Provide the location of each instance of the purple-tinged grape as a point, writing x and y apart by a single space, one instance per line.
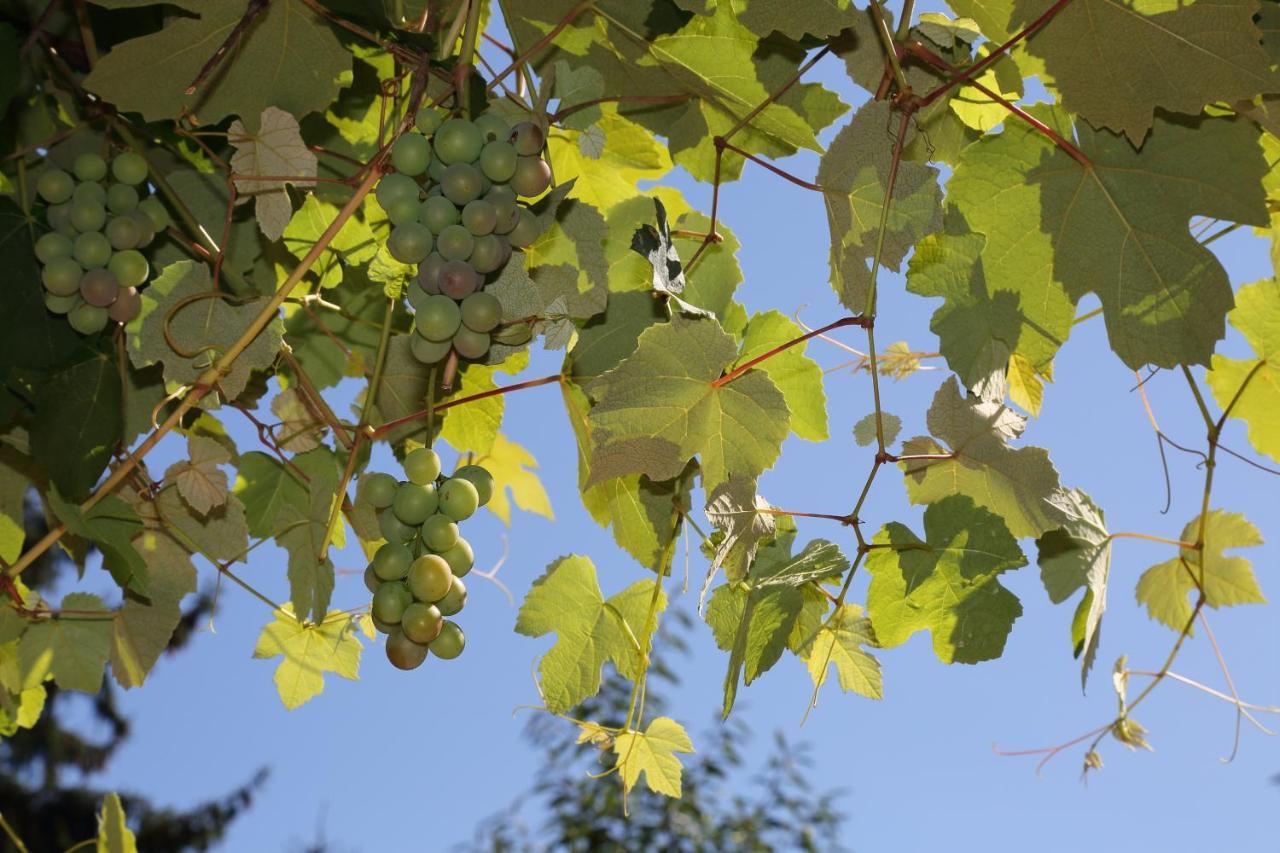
429 273
469 344
488 255
528 139
127 306
458 279
99 287
532 177
526 231
404 653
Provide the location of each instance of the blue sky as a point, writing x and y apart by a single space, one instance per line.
382 761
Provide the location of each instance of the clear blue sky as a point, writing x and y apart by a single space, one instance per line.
918 767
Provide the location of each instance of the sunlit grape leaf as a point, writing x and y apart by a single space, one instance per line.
576 88
114 835
309 651
301 531
662 406
393 275
111 525
514 472
300 429
793 18
266 487
946 583
276 150
1224 580
734 510
142 628
864 431
1076 556
853 175
353 245
589 630
795 374
289 58
19 708
630 154
78 421
1013 483
1251 386
73 650
198 478
1207 52
203 328
839 643
653 753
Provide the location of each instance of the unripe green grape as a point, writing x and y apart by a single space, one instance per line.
53 245
479 217
90 193
429 578
460 557
414 503
59 216
409 243
379 489
89 167
440 533
421 622
129 168
458 141
61 304
55 186
91 249
391 561
492 127
156 212
450 643
395 186
382 627
404 653
439 318
416 295
498 161
99 287
455 244
459 498
458 279
87 319
526 231
371 579
435 172
532 177
411 153
429 273
403 210
61 276
129 267
393 529
422 466
146 227
461 183
123 232
489 254
428 120
121 198
479 477
390 601
481 312
454 600
528 139
438 213
429 352
88 216
127 306
471 344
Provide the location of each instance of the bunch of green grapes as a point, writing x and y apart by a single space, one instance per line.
416 578
455 204
92 259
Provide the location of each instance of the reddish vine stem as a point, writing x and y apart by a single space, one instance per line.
843 519
449 404
777 93
781 173
541 43
858 320
313 395
560 115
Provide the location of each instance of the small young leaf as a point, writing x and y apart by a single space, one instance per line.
1253 384
839 643
309 651
653 753
513 469
198 478
114 835
864 431
275 150
1075 556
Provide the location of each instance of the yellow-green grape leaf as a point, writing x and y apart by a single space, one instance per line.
740 515
289 58
142 628
14 485
265 487
978 110
203 329
1013 483
653 752
1207 52
513 469
1251 386
72 649
276 150
202 484
840 643
111 525
393 275
308 651
605 177
1077 556
1225 580
661 407
854 174
946 583
114 835
301 532
353 245
797 376
864 431
589 630
1026 382
794 18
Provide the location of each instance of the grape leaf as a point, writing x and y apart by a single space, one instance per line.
653 753
203 328
198 478
111 525
289 58
309 650
114 835
864 431
15 482
589 630
513 469
839 643
300 429
73 651
795 374
142 629
1224 580
734 510
794 18
275 150
266 487
301 532
78 421
353 245
358 328
1251 387
30 335
575 88
1207 52
1013 483
1075 556
221 534
947 583
631 154
662 406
